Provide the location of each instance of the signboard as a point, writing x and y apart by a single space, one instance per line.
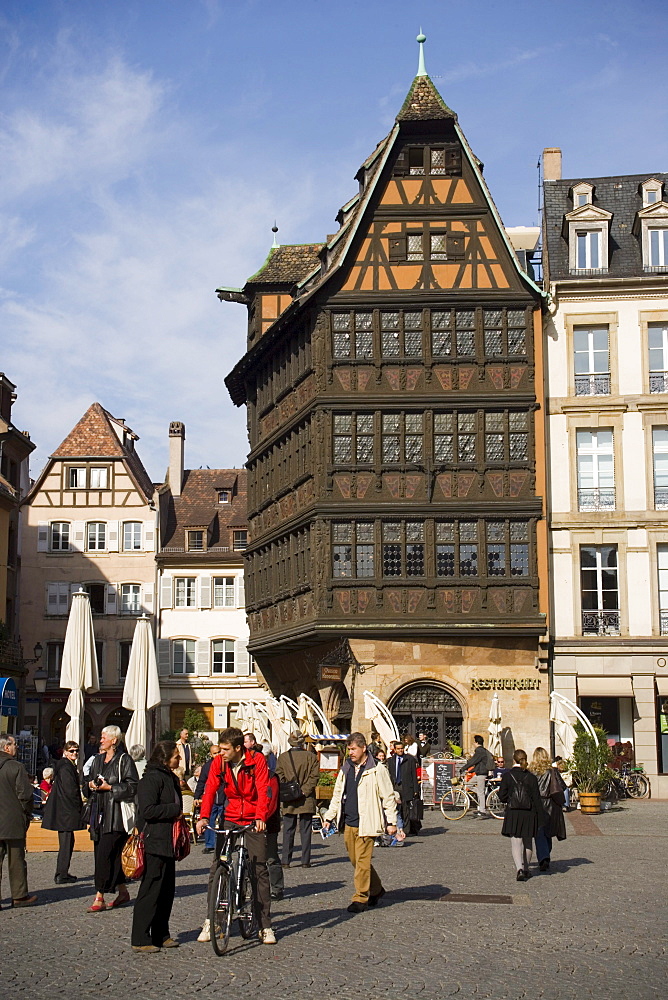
506 684
9 699
439 778
331 674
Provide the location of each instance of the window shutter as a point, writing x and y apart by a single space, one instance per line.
205 592
241 664
163 656
398 247
202 657
241 592
149 593
455 246
42 536
401 165
78 537
148 529
112 536
166 592
52 598
111 606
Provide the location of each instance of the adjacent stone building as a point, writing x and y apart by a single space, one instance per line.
393 380
606 269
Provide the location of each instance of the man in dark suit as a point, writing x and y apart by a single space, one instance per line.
424 746
403 773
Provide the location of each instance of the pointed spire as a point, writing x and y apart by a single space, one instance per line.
421 39
275 245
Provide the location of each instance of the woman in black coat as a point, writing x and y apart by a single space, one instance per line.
160 803
113 779
551 787
62 811
524 812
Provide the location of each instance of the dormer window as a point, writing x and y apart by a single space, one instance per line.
657 245
196 541
224 496
651 192
588 254
651 225
586 228
583 194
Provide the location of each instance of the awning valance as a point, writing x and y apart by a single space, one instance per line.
605 687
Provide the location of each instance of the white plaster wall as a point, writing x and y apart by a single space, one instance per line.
562 585
560 465
634 470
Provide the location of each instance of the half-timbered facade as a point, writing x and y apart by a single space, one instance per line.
393 380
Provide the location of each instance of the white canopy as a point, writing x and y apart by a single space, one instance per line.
307 714
380 717
564 732
141 691
78 671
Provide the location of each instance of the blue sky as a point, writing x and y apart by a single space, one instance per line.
146 148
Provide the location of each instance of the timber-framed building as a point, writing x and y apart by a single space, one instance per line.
393 385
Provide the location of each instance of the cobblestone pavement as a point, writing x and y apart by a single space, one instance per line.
593 926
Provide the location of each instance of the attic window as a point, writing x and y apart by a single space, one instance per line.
436 161
240 541
651 192
582 195
195 541
224 496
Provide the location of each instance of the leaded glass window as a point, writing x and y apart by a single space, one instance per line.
363 344
468 531
414 246
466 437
519 438
391 437
516 331
494 437
496 559
389 324
414 437
519 560
363 320
413 334
438 246
441 334
493 342
343 439
465 328
343 561
444 437
468 560
364 442
437 161
341 321
341 345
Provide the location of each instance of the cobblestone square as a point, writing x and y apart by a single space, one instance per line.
593 926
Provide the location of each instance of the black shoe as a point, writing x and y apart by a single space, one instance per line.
544 864
306 864
374 900
64 879
527 874
521 876
358 907
277 896
207 850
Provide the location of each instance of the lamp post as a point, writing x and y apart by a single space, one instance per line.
40 678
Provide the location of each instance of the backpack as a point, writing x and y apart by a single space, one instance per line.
519 797
491 763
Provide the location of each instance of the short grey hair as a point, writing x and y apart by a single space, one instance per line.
137 752
114 732
47 772
6 739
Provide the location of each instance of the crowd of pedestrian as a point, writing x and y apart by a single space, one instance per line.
376 802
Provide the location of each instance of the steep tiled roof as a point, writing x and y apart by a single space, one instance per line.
198 506
620 195
424 103
287 265
94 437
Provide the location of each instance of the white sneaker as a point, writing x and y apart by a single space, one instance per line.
267 936
205 933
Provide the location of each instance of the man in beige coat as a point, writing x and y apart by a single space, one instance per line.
298 764
363 803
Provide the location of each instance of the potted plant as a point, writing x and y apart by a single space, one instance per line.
590 766
325 786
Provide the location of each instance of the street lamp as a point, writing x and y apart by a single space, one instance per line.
40 678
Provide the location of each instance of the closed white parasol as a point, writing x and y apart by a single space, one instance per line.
79 665
141 691
494 730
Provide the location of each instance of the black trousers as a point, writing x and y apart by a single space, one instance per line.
65 848
289 830
108 872
153 906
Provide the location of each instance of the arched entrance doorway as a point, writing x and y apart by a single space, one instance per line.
430 709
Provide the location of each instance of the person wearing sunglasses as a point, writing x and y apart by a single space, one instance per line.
62 811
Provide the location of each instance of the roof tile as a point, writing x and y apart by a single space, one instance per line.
198 506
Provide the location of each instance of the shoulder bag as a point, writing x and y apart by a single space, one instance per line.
180 839
290 791
133 855
128 809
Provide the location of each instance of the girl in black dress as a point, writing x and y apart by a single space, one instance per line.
524 812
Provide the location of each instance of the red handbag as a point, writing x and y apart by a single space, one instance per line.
180 839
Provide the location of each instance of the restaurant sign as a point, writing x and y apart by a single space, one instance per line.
506 684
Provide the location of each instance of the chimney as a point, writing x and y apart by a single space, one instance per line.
552 164
177 438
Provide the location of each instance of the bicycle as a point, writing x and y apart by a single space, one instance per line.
635 781
458 799
232 895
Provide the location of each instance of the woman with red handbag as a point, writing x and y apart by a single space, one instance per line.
160 810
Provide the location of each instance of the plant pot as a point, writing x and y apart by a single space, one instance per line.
590 802
324 791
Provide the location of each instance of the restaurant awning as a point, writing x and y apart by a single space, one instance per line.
9 699
605 687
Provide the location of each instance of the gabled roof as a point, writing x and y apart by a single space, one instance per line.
287 264
424 103
198 506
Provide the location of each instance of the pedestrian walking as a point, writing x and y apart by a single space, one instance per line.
482 762
403 772
524 812
160 803
15 812
62 811
113 779
302 766
552 788
362 791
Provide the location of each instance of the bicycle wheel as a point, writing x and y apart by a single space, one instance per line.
637 785
494 804
246 909
455 803
220 909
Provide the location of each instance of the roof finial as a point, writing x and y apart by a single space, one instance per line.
421 39
274 229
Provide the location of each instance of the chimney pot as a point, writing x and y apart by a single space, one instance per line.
177 438
552 163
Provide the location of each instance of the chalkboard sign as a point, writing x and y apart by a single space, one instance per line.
439 776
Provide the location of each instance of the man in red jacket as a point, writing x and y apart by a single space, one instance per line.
251 799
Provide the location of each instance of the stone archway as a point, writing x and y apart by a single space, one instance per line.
431 708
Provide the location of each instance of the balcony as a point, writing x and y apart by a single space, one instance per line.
597 499
600 622
663 622
592 385
661 497
658 382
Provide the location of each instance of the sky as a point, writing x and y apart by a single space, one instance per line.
148 146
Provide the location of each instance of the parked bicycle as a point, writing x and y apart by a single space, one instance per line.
629 782
232 893
460 797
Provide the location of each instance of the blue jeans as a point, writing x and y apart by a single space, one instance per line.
209 835
543 845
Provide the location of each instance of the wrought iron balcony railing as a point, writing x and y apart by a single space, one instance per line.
592 385
663 622
658 382
661 497
600 498
600 622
